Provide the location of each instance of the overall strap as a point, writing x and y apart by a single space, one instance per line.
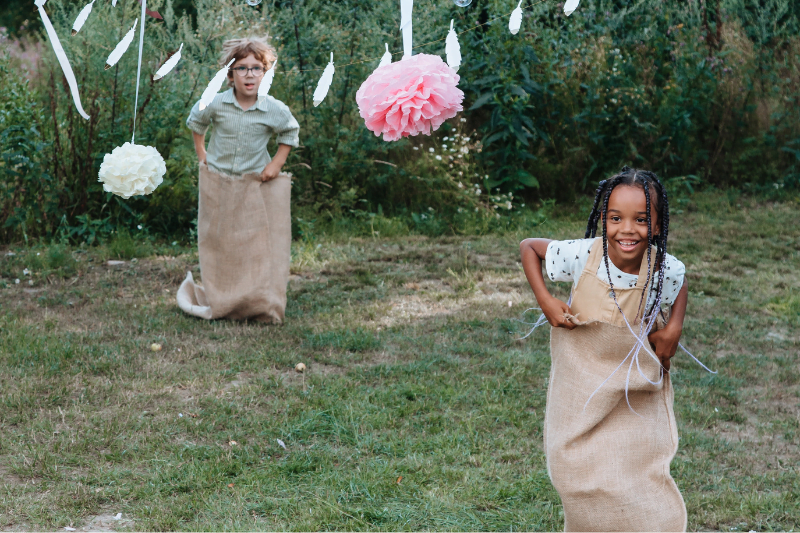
595 257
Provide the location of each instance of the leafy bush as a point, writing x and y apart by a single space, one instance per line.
704 93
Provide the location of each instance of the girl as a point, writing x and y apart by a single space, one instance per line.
243 221
609 426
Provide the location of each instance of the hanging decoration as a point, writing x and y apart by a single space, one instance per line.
168 65
387 57
122 46
406 8
415 95
82 16
62 58
253 2
324 83
515 20
215 85
131 169
570 6
266 82
113 3
462 3
452 49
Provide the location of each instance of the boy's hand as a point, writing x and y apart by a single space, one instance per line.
554 309
271 171
665 342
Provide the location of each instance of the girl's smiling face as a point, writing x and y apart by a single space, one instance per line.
626 226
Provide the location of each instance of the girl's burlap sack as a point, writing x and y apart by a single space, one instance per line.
609 464
610 461
244 241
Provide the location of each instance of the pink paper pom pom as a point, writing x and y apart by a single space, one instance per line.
409 97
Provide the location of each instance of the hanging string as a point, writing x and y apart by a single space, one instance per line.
362 61
419 45
138 70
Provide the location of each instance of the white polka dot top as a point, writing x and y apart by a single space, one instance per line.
566 259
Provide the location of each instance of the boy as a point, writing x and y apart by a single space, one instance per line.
244 223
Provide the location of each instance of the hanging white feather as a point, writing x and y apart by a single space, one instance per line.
266 83
62 58
168 65
406 8
515 21
452 49
215 85
82 16
570 6
324 83
387 57
121 47
113 3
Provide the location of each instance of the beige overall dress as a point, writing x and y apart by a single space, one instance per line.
609 464
244 238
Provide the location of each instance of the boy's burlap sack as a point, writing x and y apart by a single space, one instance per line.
244 241
609 464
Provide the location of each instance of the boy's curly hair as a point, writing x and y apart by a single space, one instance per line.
259 47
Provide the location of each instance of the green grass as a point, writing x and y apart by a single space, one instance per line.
420 409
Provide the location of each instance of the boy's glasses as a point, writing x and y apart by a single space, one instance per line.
242 71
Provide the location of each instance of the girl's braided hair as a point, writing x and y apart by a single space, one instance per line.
653 191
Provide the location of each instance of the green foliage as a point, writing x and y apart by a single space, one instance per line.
705 94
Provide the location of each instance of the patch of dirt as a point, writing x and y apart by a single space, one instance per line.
7 478
769 450
436 298
106 522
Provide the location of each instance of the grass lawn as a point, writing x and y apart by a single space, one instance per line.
419 408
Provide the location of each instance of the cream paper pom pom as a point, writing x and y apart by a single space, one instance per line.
131 170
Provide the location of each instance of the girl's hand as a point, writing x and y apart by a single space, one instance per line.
554 309
665 342
271 171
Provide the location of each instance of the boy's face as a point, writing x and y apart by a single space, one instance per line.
247 85
627 226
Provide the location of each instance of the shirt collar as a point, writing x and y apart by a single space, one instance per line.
229 98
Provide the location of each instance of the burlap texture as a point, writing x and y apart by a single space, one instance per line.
244 242
609 464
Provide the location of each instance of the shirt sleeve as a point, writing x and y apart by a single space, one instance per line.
199 121
674 272
287 130
565 260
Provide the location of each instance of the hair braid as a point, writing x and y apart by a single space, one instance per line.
616 180
644 180
591 225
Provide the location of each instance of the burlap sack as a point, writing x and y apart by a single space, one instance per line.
244 242
608 462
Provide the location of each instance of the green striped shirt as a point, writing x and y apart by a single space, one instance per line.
239 138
